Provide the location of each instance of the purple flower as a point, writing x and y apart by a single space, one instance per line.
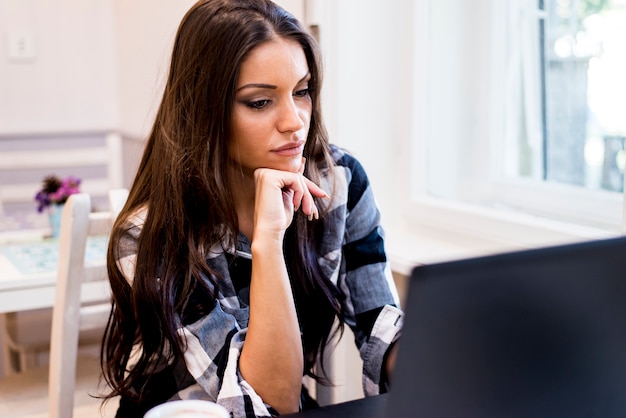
55 191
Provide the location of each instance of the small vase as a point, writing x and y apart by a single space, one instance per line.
54 214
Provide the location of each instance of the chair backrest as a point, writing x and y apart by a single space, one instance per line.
117 199
82 294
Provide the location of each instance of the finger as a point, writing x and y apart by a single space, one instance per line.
308 203
298 194
315 214
301 197
314 189
288 198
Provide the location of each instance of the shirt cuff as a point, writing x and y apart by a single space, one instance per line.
386 331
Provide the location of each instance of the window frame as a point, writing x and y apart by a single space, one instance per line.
481 224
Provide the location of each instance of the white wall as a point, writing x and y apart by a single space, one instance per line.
97 65
144 33
366 44
69 82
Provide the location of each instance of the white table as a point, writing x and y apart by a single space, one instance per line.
20 291
24 289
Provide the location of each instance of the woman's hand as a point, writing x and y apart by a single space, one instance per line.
272 359
278 195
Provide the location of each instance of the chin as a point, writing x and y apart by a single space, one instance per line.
295 166
292 165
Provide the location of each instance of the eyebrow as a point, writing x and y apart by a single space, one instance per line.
268 86
258 86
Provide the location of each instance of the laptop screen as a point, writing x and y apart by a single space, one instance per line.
535 333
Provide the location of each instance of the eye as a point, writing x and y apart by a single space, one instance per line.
302 93
257 104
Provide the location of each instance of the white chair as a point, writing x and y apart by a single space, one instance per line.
25 335
82 301
97 158
70 314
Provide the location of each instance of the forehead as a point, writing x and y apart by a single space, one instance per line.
277 58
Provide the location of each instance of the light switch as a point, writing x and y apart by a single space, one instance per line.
21 46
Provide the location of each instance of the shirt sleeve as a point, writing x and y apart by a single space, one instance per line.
368 278
126 252
214 344
386 331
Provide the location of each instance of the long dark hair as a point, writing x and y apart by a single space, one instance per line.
183 181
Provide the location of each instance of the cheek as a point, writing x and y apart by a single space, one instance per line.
246 140
233 152
250 134
232 141
240 133
307 109
248 125
308 114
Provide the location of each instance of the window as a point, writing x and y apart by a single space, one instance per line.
583 92
524 109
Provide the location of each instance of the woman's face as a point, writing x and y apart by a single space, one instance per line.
272 110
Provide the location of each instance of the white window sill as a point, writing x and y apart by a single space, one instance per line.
435 230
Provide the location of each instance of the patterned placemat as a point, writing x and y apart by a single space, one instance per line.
41 257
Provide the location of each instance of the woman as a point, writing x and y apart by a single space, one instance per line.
245 234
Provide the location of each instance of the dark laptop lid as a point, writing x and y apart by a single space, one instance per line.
537 333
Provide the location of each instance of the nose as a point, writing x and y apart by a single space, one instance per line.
292 116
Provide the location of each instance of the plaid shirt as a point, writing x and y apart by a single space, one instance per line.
354 258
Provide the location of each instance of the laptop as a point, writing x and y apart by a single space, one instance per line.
534 333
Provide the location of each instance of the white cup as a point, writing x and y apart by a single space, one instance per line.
188 409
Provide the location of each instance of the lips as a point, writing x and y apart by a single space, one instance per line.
293 148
